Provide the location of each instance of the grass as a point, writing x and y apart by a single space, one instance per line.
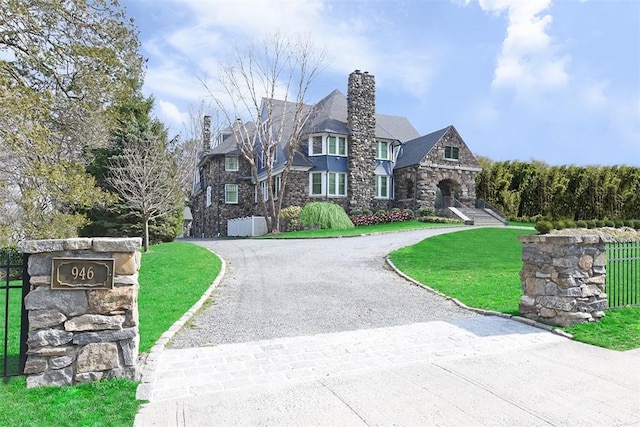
478 266
103 403
618 330
173 277
364 229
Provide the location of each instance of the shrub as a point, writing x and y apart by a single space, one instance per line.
544 227
636 224
591 223
599 223
381 217
558 225
628 223
569 223
11 255
581 224
425 212
609 223
325 216
618 223
439 220
290 218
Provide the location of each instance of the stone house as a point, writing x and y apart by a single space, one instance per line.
349 155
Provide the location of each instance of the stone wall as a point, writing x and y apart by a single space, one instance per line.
79 335
211 221
563 278
361 120
416 187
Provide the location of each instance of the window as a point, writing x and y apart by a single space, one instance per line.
315 179
316 146
451 152
337 145
231 163
277 181
382 186
231 193
208 196
337 184
265 193
382 150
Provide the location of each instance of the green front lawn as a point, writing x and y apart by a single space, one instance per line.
173 277
363 229
479 267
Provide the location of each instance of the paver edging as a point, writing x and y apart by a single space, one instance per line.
481 311
150 359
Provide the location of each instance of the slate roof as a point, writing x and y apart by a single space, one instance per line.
330 115
228 144
413 151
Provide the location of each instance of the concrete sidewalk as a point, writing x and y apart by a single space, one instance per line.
470 371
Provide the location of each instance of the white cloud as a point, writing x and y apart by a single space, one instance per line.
529 61
171 114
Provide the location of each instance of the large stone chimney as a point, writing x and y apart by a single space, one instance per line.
206 133
361 120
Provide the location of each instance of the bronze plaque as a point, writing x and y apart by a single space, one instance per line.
82 273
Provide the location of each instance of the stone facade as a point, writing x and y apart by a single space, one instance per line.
563 278
361 120
79 336
417 187
211 220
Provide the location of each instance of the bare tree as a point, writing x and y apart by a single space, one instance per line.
280 66
192 140
146 178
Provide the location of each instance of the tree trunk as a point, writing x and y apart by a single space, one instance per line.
146 235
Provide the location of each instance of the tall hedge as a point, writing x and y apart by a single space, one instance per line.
525 189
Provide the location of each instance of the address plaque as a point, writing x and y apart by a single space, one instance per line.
82 273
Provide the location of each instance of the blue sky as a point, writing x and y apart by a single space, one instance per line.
555 81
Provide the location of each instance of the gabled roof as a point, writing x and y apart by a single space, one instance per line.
413 151
229 145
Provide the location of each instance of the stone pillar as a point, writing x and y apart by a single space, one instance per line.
361 120
563 278
82 334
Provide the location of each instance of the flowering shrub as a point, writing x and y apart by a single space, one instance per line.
381 217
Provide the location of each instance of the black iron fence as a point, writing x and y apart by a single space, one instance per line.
623 274
14 286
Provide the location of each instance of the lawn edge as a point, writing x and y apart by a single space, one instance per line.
150 359
481 311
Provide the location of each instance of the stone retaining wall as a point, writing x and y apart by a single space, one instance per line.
82 335
563 278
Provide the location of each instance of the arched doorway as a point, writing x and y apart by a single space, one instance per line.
448 190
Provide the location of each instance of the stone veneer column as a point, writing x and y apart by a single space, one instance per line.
361 120
79 336
563 278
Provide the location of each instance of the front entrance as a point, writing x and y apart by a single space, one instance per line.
14 286
447 194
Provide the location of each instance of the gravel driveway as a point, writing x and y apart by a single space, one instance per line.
286 288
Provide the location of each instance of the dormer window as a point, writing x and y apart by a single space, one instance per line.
451 153
382 150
